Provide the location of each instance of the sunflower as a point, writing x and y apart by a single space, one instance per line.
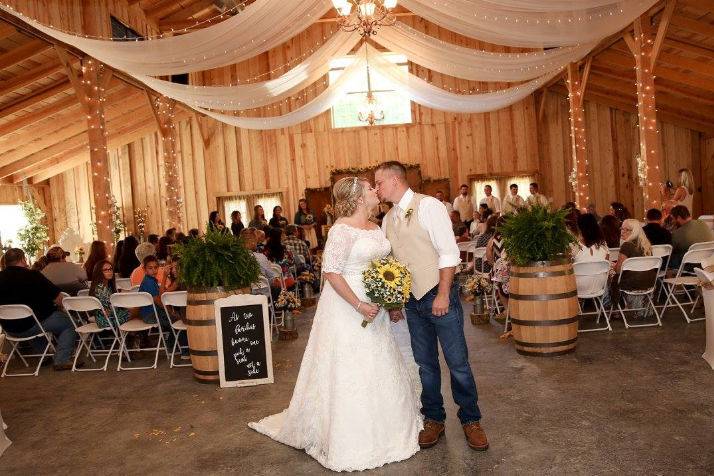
390 274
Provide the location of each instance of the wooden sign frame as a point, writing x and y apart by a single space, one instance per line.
244 300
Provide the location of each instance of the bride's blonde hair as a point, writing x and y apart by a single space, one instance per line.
346 192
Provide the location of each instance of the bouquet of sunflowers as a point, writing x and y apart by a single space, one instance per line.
388 283
477 285
287 301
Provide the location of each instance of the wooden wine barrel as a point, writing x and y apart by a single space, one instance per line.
543 304
201 323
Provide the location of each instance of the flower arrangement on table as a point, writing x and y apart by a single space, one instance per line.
79 251
287 301
309 219
141 215
477 285
388 283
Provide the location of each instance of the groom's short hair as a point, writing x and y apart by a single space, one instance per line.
397 168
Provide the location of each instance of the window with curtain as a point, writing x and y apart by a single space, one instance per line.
500 186
245 203
11 221
397 108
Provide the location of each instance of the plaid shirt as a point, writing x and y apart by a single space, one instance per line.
297 247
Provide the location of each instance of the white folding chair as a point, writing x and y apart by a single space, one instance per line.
691 258
591 282
640 264
468 247
89 305
664 252
278 270
479 253
83 292
704 245
708 219
170 301
15 312
262 286
129 300
123 284
614 254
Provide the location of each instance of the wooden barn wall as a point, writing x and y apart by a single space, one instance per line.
612 144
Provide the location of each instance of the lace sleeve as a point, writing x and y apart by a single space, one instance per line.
337 249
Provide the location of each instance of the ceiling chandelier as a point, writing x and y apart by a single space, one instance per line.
365 16
370 111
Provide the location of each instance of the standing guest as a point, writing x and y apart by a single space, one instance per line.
688 232
97 253
153 239
150 284
684 194
491 201
655 232
536 198
214 222
128 260
181 238
610 226
620 211
295 245
278 220
440 196
69 277
570 206
20 285
464 205
163 250
666 193
591 209
137 275
305 219
512 202
117 253
279 254
258 220
194 233
236 223
103 286
591 244
171 235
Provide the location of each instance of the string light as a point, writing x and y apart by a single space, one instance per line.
166 112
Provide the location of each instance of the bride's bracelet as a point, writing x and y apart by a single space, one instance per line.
359 304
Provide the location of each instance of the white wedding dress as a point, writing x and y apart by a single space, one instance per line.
355 405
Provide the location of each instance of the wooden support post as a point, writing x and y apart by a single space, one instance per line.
164 110
577 82
647 42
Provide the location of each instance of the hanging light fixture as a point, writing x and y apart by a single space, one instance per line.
370 111
365 16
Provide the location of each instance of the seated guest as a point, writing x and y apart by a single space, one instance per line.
455 220
137 275
69 277
278 220
103 286
150 284
117 254
610 227
571 222
461 233
39 264
181 238
153 239
620 211
97 253
128 261
473 227
236 223
484 212
163 250
170 234
634 244
512 202
483 240
688 232
654 230
591 209
591 245
193 233
295 245
250 240
260 236
439 195
20 285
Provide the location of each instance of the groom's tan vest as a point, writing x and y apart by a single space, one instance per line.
412 246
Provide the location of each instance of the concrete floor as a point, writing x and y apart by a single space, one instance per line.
636 401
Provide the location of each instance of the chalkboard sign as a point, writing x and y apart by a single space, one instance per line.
243 338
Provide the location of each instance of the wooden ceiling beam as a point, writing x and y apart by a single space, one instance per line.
30 76
41 94
693 26
21 53
706 5
688 47
163 8
65 104
662 30
6 30
191 9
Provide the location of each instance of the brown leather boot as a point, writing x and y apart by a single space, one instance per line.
475 436
431 433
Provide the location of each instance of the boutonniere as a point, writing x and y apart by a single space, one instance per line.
408 214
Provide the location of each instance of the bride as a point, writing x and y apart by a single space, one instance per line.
355 404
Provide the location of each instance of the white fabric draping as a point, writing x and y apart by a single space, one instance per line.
434 97
263 25
476 65
320 104
247 96
547 6
529 29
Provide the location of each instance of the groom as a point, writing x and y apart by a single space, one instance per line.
420 232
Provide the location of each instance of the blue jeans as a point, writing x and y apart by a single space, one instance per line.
426 330
61 327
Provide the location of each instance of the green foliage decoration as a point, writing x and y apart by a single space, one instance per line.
216 259
33 236
536 234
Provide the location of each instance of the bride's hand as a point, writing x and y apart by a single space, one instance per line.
368 310
395 315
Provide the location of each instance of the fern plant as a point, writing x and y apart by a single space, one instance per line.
536 234
216 259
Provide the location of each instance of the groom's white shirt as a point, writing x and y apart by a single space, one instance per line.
435 220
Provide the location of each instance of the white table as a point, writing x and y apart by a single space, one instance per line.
708 296
4 440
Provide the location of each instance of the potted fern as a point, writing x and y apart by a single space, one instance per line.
543 302
211 267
